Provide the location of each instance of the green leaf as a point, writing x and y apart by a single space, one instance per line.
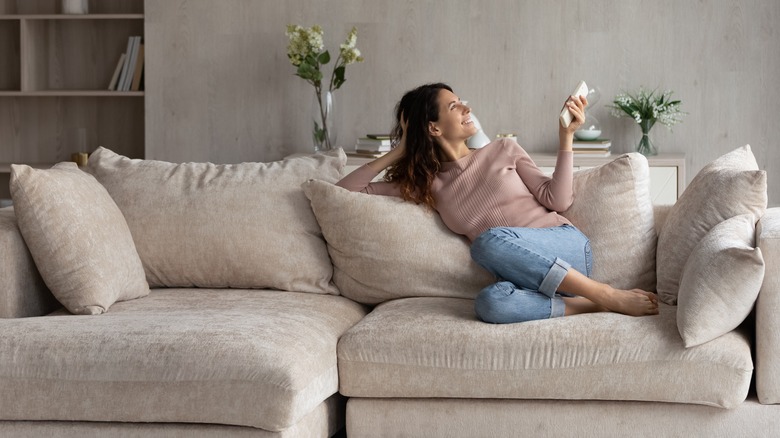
338 77
306 71
324 57
311 59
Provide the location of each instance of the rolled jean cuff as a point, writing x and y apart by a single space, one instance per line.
557 307
554 278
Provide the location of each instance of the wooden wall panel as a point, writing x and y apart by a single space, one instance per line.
220 88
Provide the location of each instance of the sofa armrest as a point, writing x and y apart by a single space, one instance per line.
22 291
768 310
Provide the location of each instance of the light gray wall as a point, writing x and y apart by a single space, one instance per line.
220 87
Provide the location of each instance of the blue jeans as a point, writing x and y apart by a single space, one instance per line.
530 264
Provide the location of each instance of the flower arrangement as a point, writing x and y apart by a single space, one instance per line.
647 108
307 53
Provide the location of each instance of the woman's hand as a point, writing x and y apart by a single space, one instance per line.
576 106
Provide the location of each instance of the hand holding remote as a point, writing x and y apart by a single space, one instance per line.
566 117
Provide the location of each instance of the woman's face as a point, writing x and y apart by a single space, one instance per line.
454 124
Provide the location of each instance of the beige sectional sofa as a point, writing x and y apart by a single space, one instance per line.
273 303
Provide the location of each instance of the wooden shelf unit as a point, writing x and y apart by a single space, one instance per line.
54 97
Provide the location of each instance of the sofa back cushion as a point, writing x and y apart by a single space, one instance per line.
77 237
613 207
729 186
384 248
245 225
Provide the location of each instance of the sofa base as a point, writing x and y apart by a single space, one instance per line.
447 418
324 421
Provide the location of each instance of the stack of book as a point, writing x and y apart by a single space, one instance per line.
129 69
592 148
373 145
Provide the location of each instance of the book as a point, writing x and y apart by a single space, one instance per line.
379 136
139 65
373 145
599 143
117 72
374 141
602 153
583 150
132 58
125 65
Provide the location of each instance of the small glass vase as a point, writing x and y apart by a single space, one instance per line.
646 146
323 122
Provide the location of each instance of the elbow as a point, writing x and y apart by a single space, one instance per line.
561 204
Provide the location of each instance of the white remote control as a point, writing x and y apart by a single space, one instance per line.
565 117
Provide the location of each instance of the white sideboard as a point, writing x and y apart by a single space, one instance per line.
667 171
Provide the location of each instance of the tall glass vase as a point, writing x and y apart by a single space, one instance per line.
646 146
323 121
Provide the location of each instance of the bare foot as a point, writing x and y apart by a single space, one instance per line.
635 302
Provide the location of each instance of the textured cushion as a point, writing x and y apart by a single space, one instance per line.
384 248
612 206
242 225
435 347
720 281
729 186
244 357
372 238
77 237
22 290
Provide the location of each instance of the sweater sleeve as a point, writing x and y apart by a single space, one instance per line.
360 181
554 192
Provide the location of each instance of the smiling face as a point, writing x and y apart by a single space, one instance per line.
454 125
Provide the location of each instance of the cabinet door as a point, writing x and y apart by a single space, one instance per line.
663 185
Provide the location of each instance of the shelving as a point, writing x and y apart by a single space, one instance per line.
54 97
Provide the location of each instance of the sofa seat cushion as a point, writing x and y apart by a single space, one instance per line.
433 347
243 357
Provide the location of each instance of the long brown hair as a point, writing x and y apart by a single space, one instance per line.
415 171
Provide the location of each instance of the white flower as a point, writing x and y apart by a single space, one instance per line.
349 53
303 42
648 106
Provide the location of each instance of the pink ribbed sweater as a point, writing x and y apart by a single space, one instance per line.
496 186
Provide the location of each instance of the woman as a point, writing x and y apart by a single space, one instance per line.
500 200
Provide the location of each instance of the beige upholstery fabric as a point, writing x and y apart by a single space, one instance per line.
435 347
325 420
373 239
612 206
22 290
242 357
727 187
720 281
384 248
448 418
768 310
77 236
234 225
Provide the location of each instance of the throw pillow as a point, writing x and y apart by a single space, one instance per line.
245 225
384 248
612 206
730 186
77 237
720 281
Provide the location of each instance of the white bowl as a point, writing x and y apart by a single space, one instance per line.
587 134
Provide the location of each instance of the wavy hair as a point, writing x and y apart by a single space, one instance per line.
415 171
